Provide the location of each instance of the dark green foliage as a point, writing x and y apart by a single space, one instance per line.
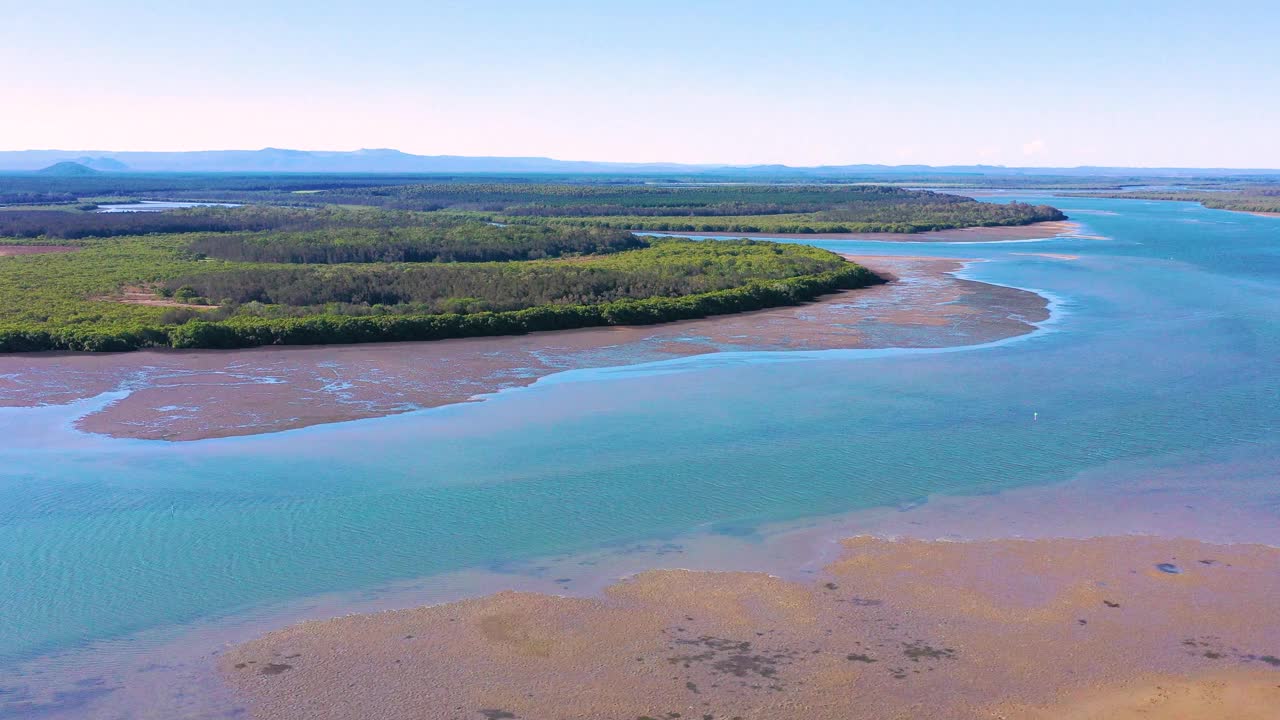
63 225
64 301
568 200
669 268
850 219
316 329
25 197
691 208
438 239
259 186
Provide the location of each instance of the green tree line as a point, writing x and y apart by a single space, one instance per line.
66 301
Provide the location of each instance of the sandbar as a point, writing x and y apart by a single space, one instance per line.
1119 627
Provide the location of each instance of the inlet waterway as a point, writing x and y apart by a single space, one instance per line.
1160 359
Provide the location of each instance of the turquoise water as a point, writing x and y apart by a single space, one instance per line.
1164 344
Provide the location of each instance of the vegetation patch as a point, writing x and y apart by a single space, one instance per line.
1259 199
70 301
717 208
345 259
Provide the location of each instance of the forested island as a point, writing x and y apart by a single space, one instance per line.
732 208
352 261
624 204
338 276
1261 199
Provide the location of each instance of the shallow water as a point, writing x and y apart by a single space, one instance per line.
156 206
1161 356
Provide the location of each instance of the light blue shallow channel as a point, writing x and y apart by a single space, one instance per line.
1165 341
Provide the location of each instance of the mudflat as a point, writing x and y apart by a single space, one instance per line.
189 395
1112 627
13 250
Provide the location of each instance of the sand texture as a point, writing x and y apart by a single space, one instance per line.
893 629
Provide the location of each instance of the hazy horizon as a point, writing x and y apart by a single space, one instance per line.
102 152
1163 85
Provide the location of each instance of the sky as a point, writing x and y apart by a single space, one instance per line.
1030 83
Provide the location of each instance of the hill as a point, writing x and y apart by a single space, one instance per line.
104 164
67 169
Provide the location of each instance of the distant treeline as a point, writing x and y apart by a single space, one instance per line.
680 207
15 197
265 233
730 208
442 240
34 188
550 199
851 219
63 225
563 200
1255 199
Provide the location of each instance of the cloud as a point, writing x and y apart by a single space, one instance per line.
1035 147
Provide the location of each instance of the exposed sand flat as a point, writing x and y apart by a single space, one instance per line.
190 395
894 629
1239 695
1034 231
146 296
11 250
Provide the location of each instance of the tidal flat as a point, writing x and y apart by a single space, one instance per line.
997 493
192 395
1002 628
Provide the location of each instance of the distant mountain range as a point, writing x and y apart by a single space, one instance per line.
275 160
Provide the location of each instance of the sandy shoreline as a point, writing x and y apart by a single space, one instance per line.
178 677
984 629
191 395
1034 231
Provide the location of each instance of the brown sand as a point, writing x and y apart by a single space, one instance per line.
895 629
1034 231
1239 695
9 250
190 395
147 296
1263 213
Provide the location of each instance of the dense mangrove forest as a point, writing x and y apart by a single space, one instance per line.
337 259
1258 199
447 277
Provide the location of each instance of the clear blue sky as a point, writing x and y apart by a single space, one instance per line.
894 81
